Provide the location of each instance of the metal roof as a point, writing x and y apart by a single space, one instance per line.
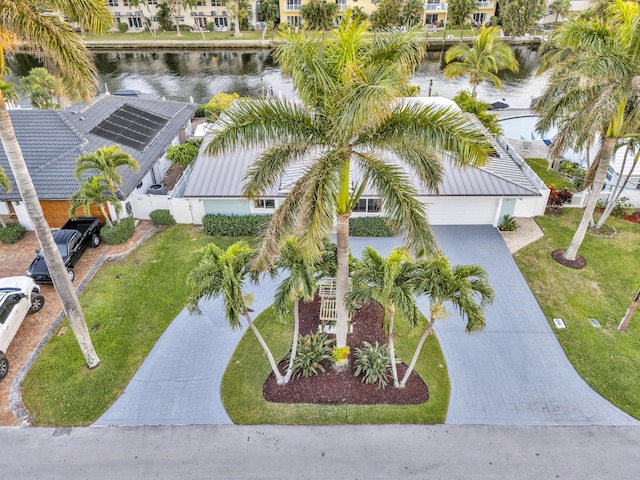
223 176
51 140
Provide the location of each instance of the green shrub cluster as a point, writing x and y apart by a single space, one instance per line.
162 218
123 27
201 110
119 233
313 349
508 224
12 232
182 154
234 225
574 171
373 362
369 227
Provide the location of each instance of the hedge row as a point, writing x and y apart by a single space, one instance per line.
369 227
12 232
235 225
119 233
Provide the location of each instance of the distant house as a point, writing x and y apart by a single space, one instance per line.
471 196
51 140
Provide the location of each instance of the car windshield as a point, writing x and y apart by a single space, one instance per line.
61 248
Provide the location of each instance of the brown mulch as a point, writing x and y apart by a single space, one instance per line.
633 217
334 387
172 176
577 264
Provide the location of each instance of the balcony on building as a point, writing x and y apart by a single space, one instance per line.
484 4
293 5
435 6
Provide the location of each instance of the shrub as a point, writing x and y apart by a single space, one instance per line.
313 349
219 103
162 218
369 227
119 233
12 232
211 26
235 225
574 171
508 224
123 27
182 154
622 207
373 362
200 111
340 354
557 198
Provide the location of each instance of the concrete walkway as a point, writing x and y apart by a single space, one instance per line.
513 372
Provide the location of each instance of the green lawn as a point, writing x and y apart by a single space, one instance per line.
248 370
127 306
548 176
607 359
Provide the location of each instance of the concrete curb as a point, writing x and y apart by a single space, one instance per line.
15 394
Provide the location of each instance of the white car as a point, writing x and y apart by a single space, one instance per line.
18 296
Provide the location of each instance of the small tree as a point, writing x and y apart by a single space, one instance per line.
269 11
518 16
459 12
387 14
106 162
319 15
560 7
412 11
469 104
95 191
43 87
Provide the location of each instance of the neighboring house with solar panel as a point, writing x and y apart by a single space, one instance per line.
471 196
51 140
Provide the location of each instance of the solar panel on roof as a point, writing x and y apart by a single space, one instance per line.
130 126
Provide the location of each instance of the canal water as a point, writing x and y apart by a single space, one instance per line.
182 75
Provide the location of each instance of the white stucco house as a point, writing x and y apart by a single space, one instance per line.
474 196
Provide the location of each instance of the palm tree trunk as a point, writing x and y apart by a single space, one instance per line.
602 160
392 350
106 216
294 344
237 32
416 354
265 347
615 196
61 281
342 282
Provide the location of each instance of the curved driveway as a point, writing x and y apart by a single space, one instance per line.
513 372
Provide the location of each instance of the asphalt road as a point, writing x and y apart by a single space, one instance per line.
224 452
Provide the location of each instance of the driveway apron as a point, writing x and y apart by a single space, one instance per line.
513 372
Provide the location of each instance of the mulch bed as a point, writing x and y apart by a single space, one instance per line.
334 387
634 217
577 264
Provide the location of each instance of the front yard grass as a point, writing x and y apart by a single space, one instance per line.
550 177
127 306
248 369
608 360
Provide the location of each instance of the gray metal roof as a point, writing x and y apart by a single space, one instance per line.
223 175
51 140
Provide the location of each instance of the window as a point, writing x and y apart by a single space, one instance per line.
216 3
293 5
125 3
431 18
294 21
135 22
368 205
264 203
112 3
479 18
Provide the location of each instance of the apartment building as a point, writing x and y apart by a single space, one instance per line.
435 11
204 13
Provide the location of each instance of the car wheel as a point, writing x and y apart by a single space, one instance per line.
37 302
4 366
95 241
71 273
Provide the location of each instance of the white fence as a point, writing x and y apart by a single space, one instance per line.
143 205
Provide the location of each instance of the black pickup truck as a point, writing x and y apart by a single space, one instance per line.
72 240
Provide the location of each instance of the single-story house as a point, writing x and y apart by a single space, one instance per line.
505 186
51 140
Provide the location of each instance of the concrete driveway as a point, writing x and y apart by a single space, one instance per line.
513 372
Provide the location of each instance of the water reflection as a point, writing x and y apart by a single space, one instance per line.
201 74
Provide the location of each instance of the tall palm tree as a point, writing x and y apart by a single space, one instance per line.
349 112
105 162
93 192
37 24
482 60
593 88
222 273
299 285
465 287
390 282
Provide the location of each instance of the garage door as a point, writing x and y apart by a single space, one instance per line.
56 212
462 210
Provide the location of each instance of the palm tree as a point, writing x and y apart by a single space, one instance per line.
388 281
37 24
299 285
93 192
482 60
465 287
349 112
222 273
593 89
105 162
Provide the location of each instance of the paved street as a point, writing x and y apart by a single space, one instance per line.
351 452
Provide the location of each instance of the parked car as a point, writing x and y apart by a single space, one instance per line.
18 296
72 240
